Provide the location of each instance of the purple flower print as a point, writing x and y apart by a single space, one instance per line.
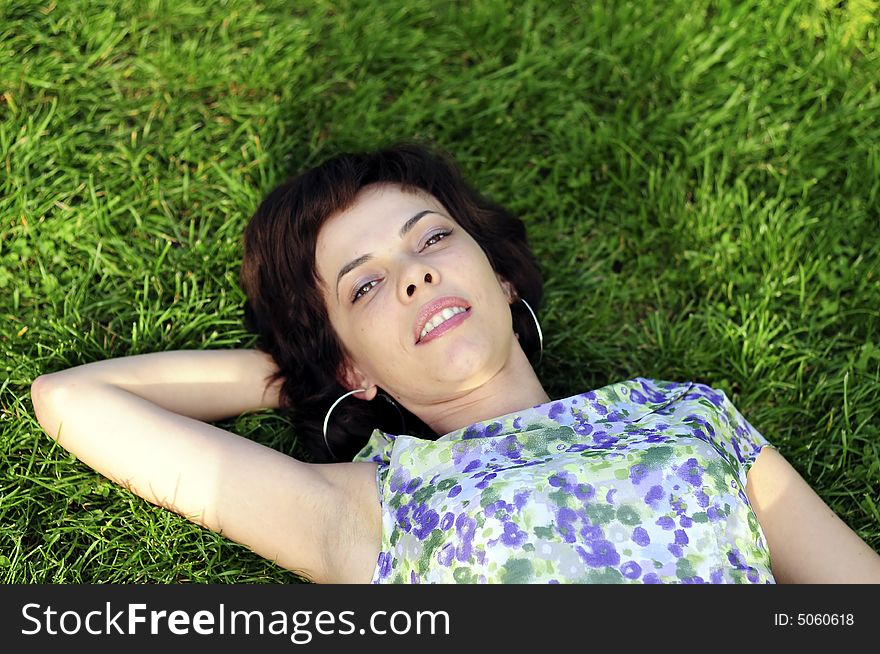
736 560
510 447
604 439
465 526
485 481
448 519
600 436
513 536
414 483
384 564
427 521
402 519
652 395
583 428
454 491
599 553
637 473
640 537
654 494
691 472
631 570
739 455
520 499
473 465
715 397
563 480
493 429
565 524
666 522
556 410
651 578
399 480
584 491
499 510
702 499
463 551
591 532
698 433
681 537
444 556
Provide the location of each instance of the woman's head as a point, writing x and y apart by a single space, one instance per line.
343 264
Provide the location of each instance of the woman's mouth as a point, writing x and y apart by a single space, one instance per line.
442 322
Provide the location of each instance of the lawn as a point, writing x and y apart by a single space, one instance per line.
700 181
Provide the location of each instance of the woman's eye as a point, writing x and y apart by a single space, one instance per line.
439 236
361 292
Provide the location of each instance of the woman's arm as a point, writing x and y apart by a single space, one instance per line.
133 420
808 542
207 385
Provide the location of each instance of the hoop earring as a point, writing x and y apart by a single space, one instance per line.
540 333
358 390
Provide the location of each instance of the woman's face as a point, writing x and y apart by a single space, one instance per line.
395 265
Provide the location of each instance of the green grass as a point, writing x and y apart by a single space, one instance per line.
700 180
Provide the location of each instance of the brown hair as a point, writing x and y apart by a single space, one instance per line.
284 306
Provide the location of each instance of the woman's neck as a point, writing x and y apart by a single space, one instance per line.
515 387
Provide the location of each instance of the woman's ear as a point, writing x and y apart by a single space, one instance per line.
508 288
351 378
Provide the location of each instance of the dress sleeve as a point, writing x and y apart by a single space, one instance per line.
737 436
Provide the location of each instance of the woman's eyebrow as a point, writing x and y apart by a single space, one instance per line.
354 263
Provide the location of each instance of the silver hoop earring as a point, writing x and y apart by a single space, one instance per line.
540 333
327 417
358 390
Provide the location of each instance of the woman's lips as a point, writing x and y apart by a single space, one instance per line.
429 310
445 326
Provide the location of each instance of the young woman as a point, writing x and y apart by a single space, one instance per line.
394 309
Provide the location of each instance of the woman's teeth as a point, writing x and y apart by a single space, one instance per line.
439 318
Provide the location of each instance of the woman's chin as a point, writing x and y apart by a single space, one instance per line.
466 368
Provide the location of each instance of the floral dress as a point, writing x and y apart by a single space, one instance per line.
641 481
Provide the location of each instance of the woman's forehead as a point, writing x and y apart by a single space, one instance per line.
376 216
376 209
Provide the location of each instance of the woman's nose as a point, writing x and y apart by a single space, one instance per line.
424 277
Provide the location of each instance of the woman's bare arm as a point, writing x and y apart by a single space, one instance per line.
136 421
808 542
207 385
